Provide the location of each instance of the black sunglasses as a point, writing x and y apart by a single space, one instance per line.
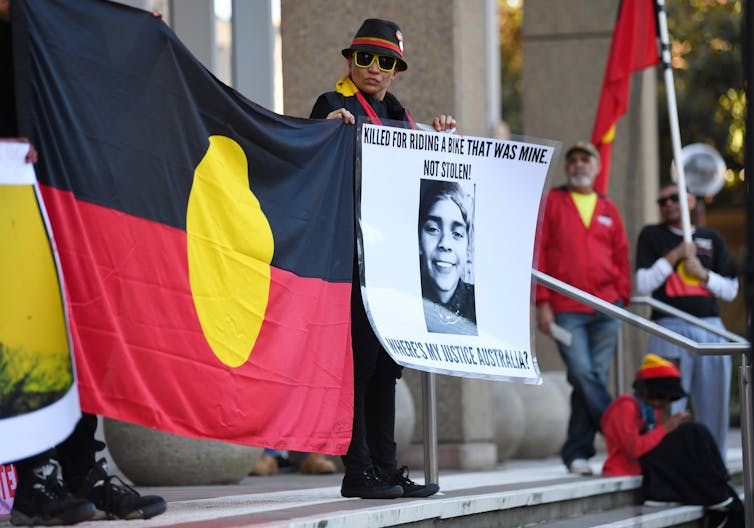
662 201
364 59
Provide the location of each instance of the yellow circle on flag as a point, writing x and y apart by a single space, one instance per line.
230 248
687 277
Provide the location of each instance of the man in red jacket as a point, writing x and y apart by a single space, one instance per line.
583 243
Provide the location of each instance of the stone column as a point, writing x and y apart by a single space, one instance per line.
565 46
194 23
254 35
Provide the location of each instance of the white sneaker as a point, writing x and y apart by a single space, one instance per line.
580 466
721 506
661 504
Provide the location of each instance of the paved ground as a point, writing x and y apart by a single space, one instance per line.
295 500
284 500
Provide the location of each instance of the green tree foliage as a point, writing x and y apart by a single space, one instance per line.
707 69
510 19
705 40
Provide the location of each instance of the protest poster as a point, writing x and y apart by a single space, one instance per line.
39 404
447 226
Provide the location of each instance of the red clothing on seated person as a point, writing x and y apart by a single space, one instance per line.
621 426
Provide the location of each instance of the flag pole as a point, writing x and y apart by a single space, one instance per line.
675 133
746 388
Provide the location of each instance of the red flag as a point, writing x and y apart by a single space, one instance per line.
634 47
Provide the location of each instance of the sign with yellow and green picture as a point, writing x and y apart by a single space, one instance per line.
38 397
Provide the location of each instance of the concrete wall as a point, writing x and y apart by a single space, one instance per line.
444 46
565 46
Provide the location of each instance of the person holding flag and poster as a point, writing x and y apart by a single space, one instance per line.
36 368
374 58
42 495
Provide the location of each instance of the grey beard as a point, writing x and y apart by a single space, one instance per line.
580 180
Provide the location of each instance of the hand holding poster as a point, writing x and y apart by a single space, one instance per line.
446 270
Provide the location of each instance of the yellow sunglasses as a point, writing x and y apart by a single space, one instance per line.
364 59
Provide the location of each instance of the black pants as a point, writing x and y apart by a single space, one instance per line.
76 454
375 372
686 467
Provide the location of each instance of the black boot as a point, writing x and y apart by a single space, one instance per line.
114 498
42 498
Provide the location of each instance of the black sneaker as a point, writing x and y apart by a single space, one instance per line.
42 498
411 488
114 498
369 484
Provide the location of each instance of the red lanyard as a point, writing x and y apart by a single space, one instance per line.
373 115
368 109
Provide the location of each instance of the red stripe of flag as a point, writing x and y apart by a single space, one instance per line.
633 48
136 332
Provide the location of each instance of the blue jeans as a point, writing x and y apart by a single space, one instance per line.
587 361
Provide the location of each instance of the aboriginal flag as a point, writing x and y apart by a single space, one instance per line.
633 48
206 242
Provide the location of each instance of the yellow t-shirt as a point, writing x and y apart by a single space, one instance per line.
585 203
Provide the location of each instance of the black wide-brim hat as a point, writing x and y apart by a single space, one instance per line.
381 37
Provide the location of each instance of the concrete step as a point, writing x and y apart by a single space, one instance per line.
499 498
635 517
640 516
518 494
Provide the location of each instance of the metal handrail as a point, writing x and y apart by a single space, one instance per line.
737 344
680 314
639 321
